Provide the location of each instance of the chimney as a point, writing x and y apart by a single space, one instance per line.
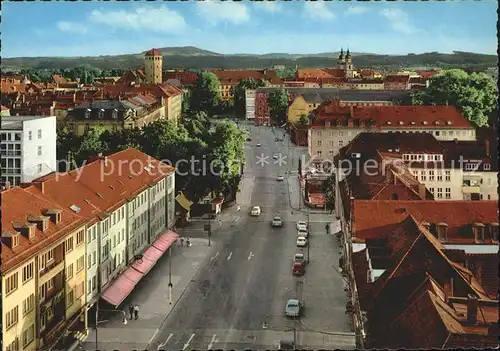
472 308
422 191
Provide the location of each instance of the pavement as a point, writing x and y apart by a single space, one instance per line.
232 294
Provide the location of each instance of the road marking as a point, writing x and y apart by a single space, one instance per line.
229 257
166 341
213 341
250 256
187 343
215 256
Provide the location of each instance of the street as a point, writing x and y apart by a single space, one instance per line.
236 299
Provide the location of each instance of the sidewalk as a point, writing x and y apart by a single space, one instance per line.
152 296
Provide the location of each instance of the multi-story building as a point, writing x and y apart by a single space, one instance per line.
250 104
333 126
127 199
229 79
153 64
113 115
43 273
449 170
27 147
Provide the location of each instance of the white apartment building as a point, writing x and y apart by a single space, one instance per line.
27 147
333 128
170 209
138 219
250 104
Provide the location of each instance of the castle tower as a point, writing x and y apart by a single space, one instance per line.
348 66
153 63
341 60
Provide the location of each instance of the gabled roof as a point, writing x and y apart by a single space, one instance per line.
372 219
153 52
102 186
17 205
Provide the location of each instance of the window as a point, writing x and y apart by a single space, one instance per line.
94 254
431 190
39 134
11 284
448 193
29 135
27 272
94 283
68 244
319 153
29 335
69 298
29 304
447 175
80 237
439 176
423 176
319 142
80 263
487 166
40 167
439 193
39 151
80 289
13 346
69 272
89 261
437 132
431 176
94 230
89 236
89 285
12 317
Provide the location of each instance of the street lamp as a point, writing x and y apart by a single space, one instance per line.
294 336
170 285
124 321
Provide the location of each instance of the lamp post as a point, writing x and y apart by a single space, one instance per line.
294 336
309 233
170 285
97 321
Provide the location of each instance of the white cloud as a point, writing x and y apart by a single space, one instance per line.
399 20
318 10
269 6
72 27
217 11
158 19
357 10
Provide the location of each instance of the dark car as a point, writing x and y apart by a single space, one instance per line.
299 268
286 345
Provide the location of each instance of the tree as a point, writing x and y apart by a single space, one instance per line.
474 94
303 120
278 104
205 95
239 93
91 145
67 143
122 139
329 191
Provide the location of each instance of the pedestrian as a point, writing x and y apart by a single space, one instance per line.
238 207
131 311
182 241
136 312
188 243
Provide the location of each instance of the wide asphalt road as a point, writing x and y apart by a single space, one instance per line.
237 299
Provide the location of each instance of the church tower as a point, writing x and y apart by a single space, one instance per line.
348 67
153 64
341 61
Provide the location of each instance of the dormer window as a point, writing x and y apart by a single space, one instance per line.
426 225
87 113
389 123
101 113
448 122
10 239
412 123
424 122
442 231
436 123
478 230
115 114
494 231
401 123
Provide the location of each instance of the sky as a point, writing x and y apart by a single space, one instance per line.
257 27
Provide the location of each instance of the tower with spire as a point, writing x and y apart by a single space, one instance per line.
341 61
348 67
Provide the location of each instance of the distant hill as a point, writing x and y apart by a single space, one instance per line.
193 57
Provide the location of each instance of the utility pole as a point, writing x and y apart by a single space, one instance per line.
309 233
170 285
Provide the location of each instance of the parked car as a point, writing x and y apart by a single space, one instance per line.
255 211
299 258
298 269
277 221
301 241
301 225
258 144
280 178
302 232
293 308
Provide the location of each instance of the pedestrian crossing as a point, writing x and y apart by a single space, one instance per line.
242 339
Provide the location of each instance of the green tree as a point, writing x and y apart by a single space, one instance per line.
67 144
122 139
238 92
474 94
205 94
303 120
329 191
91 145
278 104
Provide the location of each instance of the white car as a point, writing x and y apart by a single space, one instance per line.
280 178
301 241
302 225
275 156
302 232
258 144
255 211
277 222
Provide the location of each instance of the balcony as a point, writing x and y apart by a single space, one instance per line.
51 270
10 153
11 171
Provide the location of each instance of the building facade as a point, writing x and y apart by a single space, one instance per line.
153 64
28 148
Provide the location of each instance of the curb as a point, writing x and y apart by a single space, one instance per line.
174 304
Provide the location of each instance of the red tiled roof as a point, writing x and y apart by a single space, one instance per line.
390 116
102 186
397 79
428 74
185 77
17 205
317 199
233 76
153 52
58 79
303 73
157 90
371 219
